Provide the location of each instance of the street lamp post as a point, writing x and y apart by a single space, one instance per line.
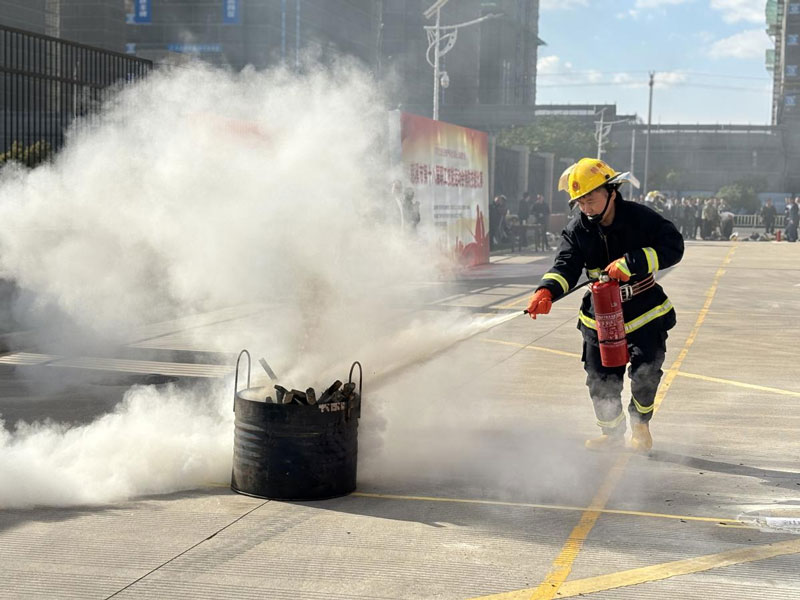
436 80
603 130
600 133
437 33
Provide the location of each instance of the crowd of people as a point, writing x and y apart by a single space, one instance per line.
695 218
713 218
531 215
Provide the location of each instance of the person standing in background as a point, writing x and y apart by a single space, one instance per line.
768 215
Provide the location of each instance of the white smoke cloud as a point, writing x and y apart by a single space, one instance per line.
195 190
200 189
155 441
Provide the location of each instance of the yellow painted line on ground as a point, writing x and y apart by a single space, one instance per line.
539 348
749 386
591 585
724 521
562 565
673 370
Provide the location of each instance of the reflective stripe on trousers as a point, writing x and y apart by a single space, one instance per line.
605 383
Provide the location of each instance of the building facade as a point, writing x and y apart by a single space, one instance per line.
491 67
783 26
24 14
97 23
261 33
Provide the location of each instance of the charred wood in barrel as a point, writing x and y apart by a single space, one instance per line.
336 396
298 397
280 393
327 395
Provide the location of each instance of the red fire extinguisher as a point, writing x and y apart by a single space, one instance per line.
607 302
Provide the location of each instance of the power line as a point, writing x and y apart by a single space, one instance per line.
688 84
722 87
701 74
726 76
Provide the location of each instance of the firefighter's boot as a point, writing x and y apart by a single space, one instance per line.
608 442
641 440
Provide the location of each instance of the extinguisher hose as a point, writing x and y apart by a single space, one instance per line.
576 288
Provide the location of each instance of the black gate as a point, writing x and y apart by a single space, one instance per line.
47 83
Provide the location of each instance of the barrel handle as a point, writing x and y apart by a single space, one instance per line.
360 386
360 376
236 377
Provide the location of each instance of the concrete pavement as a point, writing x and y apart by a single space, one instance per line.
473 481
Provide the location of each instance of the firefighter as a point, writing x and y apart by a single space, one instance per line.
630 242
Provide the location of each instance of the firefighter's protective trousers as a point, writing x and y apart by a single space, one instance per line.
605 383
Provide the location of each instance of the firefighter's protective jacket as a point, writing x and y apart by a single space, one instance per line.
646 240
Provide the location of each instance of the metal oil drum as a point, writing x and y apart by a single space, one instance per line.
293 451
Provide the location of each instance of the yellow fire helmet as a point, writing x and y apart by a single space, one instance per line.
587 175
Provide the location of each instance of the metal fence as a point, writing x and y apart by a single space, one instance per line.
47 83
755 221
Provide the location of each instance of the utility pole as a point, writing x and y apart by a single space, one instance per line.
647 140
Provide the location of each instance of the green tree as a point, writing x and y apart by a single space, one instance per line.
674 180
563 136
743 194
